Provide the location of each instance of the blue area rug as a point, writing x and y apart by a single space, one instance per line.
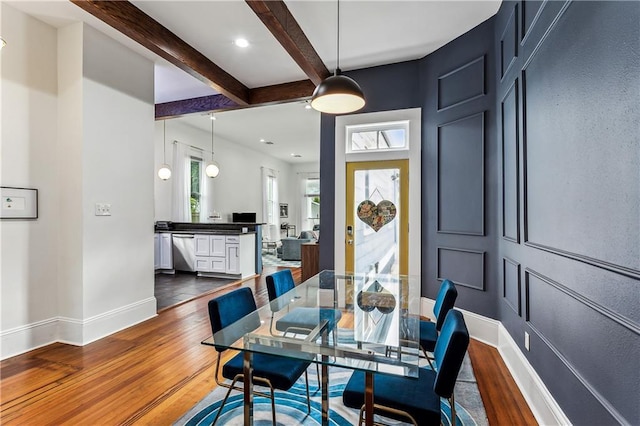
291 406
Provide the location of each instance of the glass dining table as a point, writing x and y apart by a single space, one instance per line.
378 330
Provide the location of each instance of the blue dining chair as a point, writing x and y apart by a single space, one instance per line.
301 319
429 330
272 371
417 400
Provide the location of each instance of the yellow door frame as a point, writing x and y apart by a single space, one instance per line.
351 168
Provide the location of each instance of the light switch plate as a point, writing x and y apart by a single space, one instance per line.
103 209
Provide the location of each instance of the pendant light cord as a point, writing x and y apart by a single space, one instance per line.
212 122
338 39
164 141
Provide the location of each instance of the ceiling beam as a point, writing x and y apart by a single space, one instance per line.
286 92
275 15
296 90
194 105
140 27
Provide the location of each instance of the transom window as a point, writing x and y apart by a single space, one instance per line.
378 137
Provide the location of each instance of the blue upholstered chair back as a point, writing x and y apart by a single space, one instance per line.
444 302
229 308
450 349
279 283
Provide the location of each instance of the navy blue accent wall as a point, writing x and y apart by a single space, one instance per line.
386 88
568 102
459 170
531 188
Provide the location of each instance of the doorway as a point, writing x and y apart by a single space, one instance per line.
377 218
382 151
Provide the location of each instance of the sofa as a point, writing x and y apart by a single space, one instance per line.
292 247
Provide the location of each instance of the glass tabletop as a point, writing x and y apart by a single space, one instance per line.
364 322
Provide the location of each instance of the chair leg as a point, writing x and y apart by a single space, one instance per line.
452 401
273 406
224 401
306 381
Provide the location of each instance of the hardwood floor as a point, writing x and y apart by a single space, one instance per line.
154 372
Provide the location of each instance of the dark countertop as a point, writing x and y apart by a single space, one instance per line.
206 232
207 228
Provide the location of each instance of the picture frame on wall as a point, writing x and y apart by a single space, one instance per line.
19 203
284 210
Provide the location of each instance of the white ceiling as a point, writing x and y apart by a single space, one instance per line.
290 127
371 33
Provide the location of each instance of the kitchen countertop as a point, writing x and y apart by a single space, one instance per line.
205 232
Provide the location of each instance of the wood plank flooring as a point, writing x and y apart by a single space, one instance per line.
154 372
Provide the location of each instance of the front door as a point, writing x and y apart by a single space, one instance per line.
377 217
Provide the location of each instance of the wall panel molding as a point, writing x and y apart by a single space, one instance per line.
526 12
462 266
603 310
509 43
528 239
470 76
628 325
510 264
510 165
460 177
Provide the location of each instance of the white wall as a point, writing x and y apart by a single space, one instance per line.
118 131
28 291
238 188
77 124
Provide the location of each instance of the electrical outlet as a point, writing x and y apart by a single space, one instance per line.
526 340
103 209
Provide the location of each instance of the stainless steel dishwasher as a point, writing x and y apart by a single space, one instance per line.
184 253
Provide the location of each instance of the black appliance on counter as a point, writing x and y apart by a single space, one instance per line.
244 217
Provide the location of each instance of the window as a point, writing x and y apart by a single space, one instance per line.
311 203
272 202
194 188
378 137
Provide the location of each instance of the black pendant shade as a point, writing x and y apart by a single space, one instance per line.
337 94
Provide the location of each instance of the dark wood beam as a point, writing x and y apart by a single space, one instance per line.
275 15
293 91
277 93
194 105
140 27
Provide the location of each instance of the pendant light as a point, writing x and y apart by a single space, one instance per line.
164 172
212 170
338 94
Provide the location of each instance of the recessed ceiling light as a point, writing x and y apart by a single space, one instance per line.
241 42
296 155
262 140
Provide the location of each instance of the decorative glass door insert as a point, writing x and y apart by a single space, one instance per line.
376 234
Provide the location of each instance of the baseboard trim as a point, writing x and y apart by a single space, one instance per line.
73 331
544 408
32 336
480 327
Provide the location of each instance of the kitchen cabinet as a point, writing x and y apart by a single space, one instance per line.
225 255
163 251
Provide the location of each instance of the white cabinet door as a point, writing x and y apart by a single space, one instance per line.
218 264
202 245
233 259
166 251
156 251
203 264
217 245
